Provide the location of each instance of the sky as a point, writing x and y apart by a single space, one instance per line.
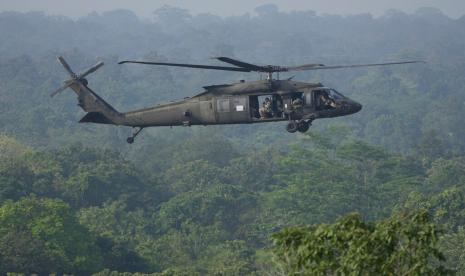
144 8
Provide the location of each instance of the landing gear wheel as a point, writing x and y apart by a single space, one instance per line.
303 126
292 127
135 132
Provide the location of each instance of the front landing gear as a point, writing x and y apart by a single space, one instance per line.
300 126
135 132
303 126
292 127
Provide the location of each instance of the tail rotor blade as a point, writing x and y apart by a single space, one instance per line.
59 90
74 78
91 69
66 66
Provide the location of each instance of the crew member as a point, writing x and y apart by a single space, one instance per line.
326 101
266 109
297 103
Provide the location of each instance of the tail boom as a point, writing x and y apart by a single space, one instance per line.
98 110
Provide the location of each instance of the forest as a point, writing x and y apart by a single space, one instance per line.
381 192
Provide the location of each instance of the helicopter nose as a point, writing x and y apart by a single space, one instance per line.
356 107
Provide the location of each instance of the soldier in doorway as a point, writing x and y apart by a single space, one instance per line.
266 109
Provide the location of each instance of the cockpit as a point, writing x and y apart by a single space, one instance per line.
330 99
326 99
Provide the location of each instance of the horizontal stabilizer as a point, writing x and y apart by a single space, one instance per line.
95 117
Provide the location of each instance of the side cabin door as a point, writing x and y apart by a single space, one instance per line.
207 111
309 101
232 109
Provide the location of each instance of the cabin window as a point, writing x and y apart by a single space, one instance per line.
223 105
239 104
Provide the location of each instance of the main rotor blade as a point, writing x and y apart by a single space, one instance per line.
66 66
323 67
242 64
302 67
223 68
61 89
91 69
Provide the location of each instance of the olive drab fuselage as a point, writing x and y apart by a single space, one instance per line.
238 104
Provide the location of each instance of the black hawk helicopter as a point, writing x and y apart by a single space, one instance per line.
269 100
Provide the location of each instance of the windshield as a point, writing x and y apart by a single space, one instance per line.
334 94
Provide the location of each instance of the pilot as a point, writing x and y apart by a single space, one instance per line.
265 110
326 101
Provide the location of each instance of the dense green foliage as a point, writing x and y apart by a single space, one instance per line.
43 235
206 201
152 221
404 245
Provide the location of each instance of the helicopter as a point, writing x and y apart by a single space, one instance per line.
267 100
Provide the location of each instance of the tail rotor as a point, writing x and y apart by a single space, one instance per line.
75 77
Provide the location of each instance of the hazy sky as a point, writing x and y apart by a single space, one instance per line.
144 8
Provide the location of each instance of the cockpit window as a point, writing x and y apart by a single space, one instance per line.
326 99
334 94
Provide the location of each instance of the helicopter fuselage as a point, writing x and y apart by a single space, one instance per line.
240 103
261 101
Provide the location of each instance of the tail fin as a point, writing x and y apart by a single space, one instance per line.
99 110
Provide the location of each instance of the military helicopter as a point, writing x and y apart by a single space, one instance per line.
268 100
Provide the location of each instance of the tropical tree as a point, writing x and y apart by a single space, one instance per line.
43 236
400 245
